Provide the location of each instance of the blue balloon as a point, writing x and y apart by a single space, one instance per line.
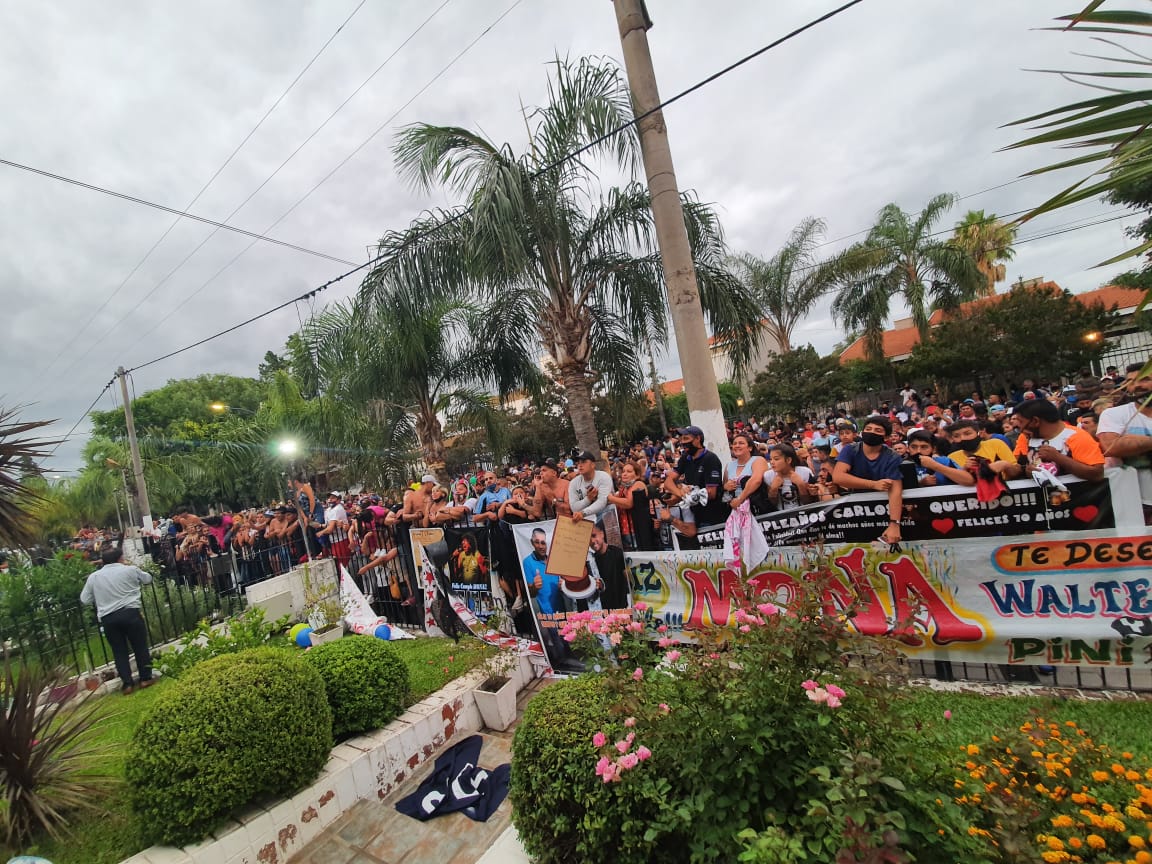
383 632
303 638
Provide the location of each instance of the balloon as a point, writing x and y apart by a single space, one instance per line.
296 628
383 632
303 637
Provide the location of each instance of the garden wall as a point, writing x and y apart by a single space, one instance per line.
369 766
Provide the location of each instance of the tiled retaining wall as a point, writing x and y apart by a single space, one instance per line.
369 766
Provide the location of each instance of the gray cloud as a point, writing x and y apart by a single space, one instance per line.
892 101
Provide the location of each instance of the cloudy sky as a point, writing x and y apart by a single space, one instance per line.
894 100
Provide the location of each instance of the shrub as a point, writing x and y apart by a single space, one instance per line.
233 729
48 768
778 734
366 683
553 791
246 630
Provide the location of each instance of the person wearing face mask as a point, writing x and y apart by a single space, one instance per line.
700 468
873 467
1047 441
968 445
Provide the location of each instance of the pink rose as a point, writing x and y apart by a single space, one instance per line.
643 753
614 638
818 695
635 626
663 628
630 761
809 684
611 773
833 690
672 656
602 766
622 746
664 709
599 739
833 702
768 609
666 642
638 675
947 715
629 722
630 737
641 606
744 628
569 637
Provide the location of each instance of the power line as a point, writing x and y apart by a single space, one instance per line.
82 416
312 293
184 214
340 164
92 317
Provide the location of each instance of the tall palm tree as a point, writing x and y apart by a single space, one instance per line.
900 258
579 267
791 282
988 241
409 357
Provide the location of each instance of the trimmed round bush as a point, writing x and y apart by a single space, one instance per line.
553 789
232 730
366 682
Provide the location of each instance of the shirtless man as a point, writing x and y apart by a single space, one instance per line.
416 503
550 493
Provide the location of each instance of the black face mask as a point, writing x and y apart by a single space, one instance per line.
872 439
690 448
969 446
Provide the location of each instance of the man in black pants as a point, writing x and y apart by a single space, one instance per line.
115 590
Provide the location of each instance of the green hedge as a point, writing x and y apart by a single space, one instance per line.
366 683
234 729
553 789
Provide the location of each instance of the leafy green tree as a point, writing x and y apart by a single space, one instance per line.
901 259
422 356
799 382
791 282
579 268
999 342
988 241
167 409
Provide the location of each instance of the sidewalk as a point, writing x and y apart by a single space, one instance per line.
373 832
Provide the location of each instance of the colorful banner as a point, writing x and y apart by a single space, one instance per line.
950 512
1056 599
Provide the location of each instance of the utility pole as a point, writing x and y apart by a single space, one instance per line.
143 507
668 213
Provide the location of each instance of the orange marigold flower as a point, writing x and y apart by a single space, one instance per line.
1117 768
1143 857
1062 821
972 749
1136 842
1100 776
1075 842
1056 844
1125 755
1095 841
1132 775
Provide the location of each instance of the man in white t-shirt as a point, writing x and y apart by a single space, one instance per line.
588 491
1125 434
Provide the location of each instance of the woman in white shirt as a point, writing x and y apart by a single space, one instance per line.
788 482
744 476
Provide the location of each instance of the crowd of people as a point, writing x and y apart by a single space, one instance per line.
665 490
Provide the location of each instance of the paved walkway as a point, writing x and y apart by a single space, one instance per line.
372 832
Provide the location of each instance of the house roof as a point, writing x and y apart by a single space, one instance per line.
899 342
668 388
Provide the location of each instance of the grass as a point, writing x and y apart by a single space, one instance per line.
113 836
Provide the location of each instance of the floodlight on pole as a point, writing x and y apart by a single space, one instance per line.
288 447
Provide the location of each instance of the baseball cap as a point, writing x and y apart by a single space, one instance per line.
694 431
1072 400
427 478
969 401
584 455
996 409
821 442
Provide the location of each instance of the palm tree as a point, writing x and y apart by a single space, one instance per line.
901 258
578 267
988 241
791 282
18 499
415 356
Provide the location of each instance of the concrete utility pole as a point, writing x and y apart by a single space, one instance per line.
668 214
143 507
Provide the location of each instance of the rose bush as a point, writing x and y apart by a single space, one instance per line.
778 739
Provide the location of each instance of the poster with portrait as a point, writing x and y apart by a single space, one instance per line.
602 585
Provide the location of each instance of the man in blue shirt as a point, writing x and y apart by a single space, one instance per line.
872 466
933 470
488 503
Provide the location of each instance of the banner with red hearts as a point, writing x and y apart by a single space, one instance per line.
943 512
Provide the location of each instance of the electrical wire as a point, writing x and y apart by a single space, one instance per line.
92 317
338 166
82 416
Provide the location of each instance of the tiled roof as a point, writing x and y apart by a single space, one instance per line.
900 342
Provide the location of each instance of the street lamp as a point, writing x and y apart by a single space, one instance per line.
288 447
220 408
1094 336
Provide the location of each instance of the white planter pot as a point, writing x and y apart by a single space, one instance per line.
327 636
497 708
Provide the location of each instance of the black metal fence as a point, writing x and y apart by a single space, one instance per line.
1133 678
71 636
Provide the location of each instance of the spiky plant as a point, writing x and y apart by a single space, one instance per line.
48 761
18 453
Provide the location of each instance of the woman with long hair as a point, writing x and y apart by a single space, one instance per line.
631 502
744 475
